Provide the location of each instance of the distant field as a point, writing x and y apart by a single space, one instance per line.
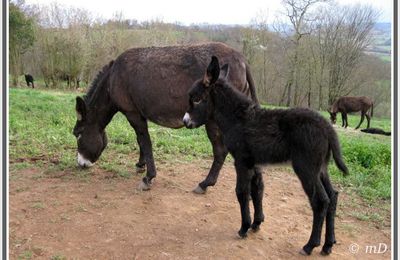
385 58
41 125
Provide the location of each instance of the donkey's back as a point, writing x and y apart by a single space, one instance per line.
154 81
353 104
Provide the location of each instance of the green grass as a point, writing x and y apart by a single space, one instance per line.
385 58
41 125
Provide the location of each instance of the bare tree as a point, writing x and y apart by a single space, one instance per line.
343 37
299 15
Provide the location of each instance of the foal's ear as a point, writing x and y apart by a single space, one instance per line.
212 72
224 71
80 108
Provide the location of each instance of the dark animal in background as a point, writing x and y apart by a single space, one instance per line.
29 80
69 79
151 84
256 136
377 131
345 105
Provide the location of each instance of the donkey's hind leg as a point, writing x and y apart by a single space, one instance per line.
362 119
330 215
219 151
146 152
257 192
368 119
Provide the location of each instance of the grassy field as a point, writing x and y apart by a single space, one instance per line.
40 134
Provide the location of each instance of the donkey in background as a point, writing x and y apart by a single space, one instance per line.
346 105
29 80
256 136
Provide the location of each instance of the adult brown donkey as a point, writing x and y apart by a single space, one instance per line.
152 84
346 105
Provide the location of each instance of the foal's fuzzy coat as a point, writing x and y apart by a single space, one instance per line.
257 136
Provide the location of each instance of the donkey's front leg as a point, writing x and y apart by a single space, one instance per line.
146 152
219 151
243 188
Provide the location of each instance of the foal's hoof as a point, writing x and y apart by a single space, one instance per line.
326 250
255 226
303 252
307 250
199 190
324 253
242 234
143 186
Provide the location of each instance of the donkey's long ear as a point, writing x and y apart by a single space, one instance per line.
80 108
212 72
224 71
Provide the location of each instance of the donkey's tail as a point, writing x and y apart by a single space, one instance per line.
252 87
336 152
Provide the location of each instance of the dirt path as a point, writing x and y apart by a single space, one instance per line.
103 217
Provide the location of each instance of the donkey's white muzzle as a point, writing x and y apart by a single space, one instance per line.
83 162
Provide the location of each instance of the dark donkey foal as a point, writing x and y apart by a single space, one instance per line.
256 136
346 105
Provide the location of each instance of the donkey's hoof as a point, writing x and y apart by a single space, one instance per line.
140 168
199 190
143 186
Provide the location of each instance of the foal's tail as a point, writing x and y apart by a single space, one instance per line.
336 152
252 87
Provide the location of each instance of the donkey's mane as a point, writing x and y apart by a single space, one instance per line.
94 87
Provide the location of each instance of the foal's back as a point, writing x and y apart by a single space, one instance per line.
277 135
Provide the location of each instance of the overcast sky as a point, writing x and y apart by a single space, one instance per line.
199 11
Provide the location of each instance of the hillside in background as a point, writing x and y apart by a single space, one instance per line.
381 41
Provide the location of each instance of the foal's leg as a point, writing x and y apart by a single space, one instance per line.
362 119
330 215
146 153
317 196
257 192
346 124
219 151
243 187
319 203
